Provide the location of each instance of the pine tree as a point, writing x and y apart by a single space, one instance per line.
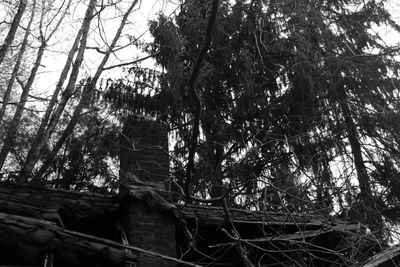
291 91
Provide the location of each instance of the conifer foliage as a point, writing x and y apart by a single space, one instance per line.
299 104
286 106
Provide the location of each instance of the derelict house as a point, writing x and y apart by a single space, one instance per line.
142 227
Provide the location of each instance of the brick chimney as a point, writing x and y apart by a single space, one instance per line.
144 151
144 165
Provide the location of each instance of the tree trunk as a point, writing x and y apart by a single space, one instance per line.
41 139
320 166
13 29
355 145
12 130
14 73
44 133
74 72
86 95
214 159
370 214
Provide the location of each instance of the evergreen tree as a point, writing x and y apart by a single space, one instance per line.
290 92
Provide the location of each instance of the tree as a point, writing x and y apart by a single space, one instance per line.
26 87
55 128
42 137
16 69
13 29
87 93
286 89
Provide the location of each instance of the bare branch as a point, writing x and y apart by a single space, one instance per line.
131 62
197 101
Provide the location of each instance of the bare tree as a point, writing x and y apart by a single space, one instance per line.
26 87
16 69
36 38
87 92
13 29
46 127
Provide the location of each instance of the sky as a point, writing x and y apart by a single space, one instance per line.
137 26
147 10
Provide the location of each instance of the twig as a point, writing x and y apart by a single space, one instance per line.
241 251
131 62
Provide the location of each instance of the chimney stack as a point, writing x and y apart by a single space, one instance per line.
144 151
144 154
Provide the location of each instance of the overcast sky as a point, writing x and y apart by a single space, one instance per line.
53 62
137 27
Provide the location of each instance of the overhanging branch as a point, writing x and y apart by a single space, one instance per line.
197 102
131 62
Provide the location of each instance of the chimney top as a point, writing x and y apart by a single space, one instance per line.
144 152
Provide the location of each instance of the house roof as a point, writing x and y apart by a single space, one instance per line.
48 204
35 220
34 237
60 205
216 215
39 219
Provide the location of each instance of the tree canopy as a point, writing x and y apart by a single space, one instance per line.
272 105
298 104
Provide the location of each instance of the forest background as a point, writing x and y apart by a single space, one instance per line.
286 106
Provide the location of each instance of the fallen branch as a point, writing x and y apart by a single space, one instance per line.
34 237
380 258
296 236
